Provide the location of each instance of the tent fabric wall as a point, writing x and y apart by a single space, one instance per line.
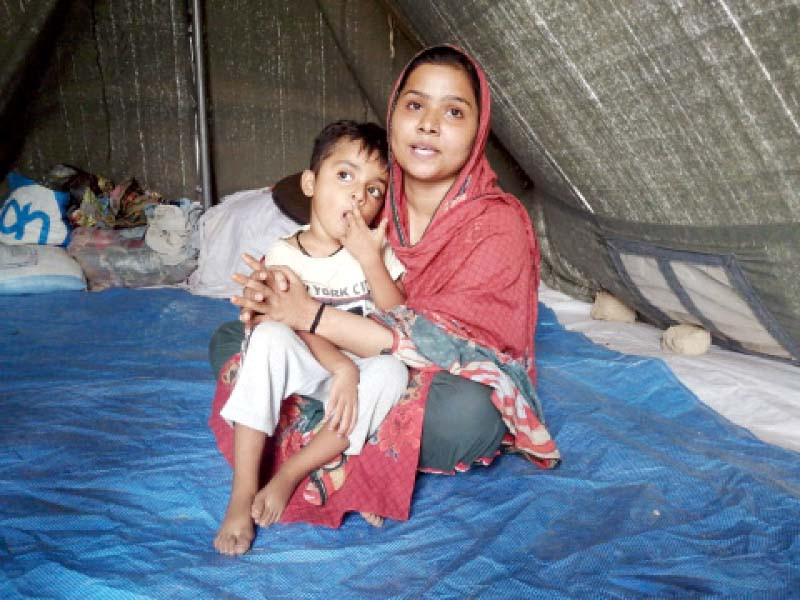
674 113
575 245
372 44
276 77
115 95
108 86
24 50
279 71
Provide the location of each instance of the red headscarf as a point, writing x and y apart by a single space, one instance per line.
476 269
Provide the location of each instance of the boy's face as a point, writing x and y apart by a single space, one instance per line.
348 180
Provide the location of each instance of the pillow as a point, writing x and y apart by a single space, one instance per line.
33 214
34 269
246 221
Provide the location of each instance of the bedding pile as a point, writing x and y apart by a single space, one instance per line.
114 236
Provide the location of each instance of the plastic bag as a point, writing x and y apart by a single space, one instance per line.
121 258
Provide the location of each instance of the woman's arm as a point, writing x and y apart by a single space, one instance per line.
278 294
360 335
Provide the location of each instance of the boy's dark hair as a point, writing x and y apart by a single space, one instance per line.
371 135
445 55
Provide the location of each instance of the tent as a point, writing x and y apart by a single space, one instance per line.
657 148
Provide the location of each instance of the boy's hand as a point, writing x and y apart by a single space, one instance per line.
250 317
341 412
252 286
363 243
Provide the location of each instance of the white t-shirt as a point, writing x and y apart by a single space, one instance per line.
335 280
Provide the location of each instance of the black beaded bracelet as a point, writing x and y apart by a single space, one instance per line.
317 317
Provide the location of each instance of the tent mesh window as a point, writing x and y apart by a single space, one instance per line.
709 290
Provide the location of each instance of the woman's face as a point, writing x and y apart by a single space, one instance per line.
434 124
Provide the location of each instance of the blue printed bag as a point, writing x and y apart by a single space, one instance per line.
33 214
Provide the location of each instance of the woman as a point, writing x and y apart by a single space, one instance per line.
471 281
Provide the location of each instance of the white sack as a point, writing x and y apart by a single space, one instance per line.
247 221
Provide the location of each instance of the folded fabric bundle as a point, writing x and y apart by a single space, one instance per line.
97 202
170 228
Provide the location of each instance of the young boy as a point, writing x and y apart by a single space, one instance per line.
346 182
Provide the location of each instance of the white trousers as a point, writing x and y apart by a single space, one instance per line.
278 364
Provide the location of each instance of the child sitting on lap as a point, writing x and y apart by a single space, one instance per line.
346 182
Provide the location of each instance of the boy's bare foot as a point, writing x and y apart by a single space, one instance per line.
268 505
372 519
235 535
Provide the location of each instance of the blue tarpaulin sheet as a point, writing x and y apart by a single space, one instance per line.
111 485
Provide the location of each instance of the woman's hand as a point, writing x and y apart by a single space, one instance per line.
365 244
275 294
341 412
